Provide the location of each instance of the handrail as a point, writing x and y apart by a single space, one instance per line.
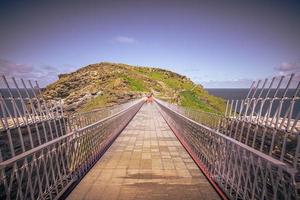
82 119
209 119
45 145
254 151
50 169
231 164
109 117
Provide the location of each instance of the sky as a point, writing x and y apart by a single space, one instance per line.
215 43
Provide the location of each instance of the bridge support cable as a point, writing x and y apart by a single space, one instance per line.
235 169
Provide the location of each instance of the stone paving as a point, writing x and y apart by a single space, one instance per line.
145 162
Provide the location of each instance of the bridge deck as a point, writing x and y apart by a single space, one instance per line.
145 162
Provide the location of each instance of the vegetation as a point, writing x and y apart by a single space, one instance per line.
103 84
135 84
99 101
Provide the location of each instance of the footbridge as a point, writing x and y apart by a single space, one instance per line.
151 150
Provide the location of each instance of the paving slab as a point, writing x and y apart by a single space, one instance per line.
145 162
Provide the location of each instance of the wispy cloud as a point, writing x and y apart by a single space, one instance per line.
124 40
44 74
288 67
9 68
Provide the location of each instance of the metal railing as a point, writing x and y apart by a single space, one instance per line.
46 171
26 119
252 152
211 120
23 105
80 120
268 119
239 170
44 153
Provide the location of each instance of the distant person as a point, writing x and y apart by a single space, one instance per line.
150 98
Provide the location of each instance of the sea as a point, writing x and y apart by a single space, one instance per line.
5 93
241 93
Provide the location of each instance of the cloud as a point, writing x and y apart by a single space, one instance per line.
124 40
285 66
9 68
288 67
44 74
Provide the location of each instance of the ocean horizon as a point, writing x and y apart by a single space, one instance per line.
241 93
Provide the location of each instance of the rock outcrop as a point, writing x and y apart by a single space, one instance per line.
103 84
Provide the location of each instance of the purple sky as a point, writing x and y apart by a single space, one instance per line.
216 44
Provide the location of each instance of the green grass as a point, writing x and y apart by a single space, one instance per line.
190 99
98 102
135 84
173 83
197 99
187 85
156 75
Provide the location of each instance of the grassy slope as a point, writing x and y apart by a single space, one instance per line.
186 93
97 102
116 81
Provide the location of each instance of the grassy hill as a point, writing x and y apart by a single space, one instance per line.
102 84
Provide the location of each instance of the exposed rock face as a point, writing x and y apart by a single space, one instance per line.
104 84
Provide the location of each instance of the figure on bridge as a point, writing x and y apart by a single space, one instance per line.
149 98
